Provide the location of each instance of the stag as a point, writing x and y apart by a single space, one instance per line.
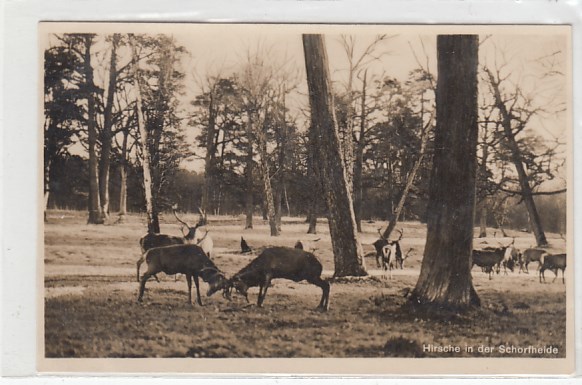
153 240
190 260
386 248
193 233
280 262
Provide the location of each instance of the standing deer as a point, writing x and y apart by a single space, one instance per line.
193 236
385 249
553 262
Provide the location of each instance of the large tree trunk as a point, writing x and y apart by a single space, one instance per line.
105 161
152 220
249 203
445 275
526 191
342 223
95 214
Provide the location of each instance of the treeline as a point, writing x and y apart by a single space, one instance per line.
116 129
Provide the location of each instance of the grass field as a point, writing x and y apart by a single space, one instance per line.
91 309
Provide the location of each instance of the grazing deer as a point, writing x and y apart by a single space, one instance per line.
190 260
280 262
553 262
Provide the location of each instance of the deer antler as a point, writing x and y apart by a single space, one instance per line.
174 207
407 253
202 219
380 233
401 231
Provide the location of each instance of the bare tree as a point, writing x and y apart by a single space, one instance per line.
445 276
152 220
358 62
425 133
106 132
95 213
342 224
516 111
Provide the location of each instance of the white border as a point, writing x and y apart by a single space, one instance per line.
19 124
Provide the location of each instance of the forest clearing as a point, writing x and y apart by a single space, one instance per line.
91 308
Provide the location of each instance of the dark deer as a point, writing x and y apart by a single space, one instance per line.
553 262
280 262
244 246
153 240
488 258
189 260
531 255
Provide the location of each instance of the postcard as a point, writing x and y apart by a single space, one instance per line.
328 199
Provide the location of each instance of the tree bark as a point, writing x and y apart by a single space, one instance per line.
483 206
105 161
249 204
123 180
314 181
210 158
483 220
152 220
445 275
526 191
346 247
95 214
359 158
47 185
267 189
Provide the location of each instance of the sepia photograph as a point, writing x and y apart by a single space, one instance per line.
216 196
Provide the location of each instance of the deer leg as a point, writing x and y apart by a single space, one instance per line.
144 279
189 282
324 285
265 286
563 279
259 301
197 283
139 262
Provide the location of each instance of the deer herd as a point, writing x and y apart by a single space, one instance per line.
192 253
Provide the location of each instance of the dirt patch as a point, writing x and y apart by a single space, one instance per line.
91 308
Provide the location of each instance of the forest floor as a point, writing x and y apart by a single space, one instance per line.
91 309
